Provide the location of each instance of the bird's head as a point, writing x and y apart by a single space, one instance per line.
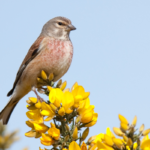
58 28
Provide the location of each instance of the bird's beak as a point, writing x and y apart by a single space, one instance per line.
71 27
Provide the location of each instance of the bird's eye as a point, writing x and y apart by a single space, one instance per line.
60 23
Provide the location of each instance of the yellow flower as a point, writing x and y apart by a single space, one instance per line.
135 146
74 146
68 102
146 132
145 144
56 96
54 132
79 90
35 115
46 140
124 126
102 146
63 85
93 121
51 77
99 137
104 141
42 128
75 133
74 86
92 138
79 94
123 119
108 140
83 146
47 111
118 142
87 114
38 105
117 131
145 138
77 99
83 105
61 111
33 132
33 99
109 133
134 121
43 75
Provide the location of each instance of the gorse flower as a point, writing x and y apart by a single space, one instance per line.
128 138
69 110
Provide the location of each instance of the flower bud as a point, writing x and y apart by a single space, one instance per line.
29 124
33 99
117 142
65 90
61 111
74 86
66 138
63 85
146 132
123 119
59 83
86 95
54 108
83 146
125 138
141 128
40 80
30 134
129 142
43 75
109 132
117 131
135 146
134 121
92 138
108 140
31 107
49 88
75 133
38 105
29 102
67 127
77 119
85 134
51 77
124 126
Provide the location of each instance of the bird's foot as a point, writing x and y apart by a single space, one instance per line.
38 97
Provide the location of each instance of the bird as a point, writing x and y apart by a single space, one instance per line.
52 52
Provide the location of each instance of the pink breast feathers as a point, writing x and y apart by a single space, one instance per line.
58 54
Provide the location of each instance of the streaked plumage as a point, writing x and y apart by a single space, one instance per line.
51 52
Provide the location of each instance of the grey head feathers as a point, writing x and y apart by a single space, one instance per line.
58 27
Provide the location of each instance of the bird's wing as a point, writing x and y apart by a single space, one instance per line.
32 53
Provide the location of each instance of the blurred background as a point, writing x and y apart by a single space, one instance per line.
111 56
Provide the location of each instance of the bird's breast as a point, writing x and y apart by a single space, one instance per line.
56 57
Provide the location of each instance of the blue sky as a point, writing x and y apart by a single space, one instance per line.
111 56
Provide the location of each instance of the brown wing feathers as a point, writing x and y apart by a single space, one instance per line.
32 53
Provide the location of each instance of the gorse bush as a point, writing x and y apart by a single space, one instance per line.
68 111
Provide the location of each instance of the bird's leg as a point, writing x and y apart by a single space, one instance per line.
38 97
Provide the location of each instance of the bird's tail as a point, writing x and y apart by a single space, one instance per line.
6 112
